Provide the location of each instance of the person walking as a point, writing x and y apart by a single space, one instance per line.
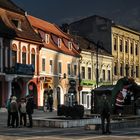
105 110
30 109
9 117
22 111
14 111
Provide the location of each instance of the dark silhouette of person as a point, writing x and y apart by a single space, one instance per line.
50 102
22 111
14 111
30 109
105 114
9 117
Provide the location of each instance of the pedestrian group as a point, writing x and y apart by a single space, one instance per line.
18 111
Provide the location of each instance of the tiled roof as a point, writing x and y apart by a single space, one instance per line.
54 33
46 26
8 28
9 5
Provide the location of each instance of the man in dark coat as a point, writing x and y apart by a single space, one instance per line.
30 109
105 109
50 102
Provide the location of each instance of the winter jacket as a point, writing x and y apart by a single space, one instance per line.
14 106
105 107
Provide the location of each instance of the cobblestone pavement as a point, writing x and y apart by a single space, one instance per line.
60 133
66 134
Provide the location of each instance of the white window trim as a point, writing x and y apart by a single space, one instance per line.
41 64
47 38
59 42
70 45
51 72
58 68
74 69
70 68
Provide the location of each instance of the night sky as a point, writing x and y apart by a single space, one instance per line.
62 11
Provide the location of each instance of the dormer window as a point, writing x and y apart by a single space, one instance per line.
59 42
70 45
17 23
47 37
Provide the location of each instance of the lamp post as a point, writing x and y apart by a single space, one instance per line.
97 71
98 45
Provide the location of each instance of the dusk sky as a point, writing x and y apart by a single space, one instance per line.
61 11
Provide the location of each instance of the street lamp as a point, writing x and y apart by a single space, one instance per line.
98 45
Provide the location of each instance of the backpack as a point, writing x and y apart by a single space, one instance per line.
23 108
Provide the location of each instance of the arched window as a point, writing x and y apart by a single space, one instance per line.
121 69
131 48
136 49
121 45
33 57
24 55
14 54
115 68
115 44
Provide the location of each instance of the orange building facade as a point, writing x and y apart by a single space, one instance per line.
58 62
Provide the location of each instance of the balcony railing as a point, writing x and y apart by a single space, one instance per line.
22 69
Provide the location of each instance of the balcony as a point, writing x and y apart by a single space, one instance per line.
22 69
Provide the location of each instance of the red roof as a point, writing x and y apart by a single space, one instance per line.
52 29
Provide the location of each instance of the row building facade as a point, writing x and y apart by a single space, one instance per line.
123 43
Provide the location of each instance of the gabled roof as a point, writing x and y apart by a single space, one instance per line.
55 32
9 5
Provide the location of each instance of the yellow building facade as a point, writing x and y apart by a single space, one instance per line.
126 52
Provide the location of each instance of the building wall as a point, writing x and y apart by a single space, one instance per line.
98 28
89 60
121 58
54 79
